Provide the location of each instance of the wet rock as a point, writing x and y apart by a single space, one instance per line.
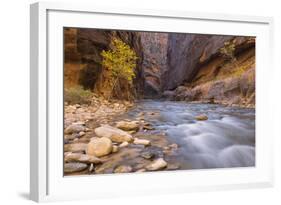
123 169
170 149
157 139
169 94
168 152
147 155
74 128
148 127
153 113
99 147
173 166
173 146
125 156
184 93
144 142
77 147
128 125
84 158
115 134
157 164
141 114
123 144
74 167
201 117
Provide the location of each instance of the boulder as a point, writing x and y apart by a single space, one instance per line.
84 158
141 142
169 94
115 134
74 167
74 128
128 125
157 164
99 147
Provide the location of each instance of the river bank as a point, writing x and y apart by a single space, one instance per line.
156 135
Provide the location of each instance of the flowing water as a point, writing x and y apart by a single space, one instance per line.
226 139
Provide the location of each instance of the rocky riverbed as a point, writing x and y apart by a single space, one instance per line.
120 137
96 142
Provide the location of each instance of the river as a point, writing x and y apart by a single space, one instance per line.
226 139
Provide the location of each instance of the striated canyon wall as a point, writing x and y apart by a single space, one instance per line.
199 72
154 63
185 54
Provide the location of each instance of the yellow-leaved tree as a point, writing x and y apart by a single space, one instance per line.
120 60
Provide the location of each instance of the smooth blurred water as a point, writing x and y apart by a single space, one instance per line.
226 139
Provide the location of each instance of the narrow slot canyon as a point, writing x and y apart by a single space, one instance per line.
190 105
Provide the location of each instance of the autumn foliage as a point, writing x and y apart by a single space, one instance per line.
120 60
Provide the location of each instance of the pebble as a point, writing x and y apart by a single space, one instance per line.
74 167
77 147
157 164
74 128
123 169
141 142
123 144
147 155
201 117
141 170
114 148
81 134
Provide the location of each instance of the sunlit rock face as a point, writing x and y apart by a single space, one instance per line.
83 59
154 62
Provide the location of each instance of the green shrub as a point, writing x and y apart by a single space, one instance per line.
77 95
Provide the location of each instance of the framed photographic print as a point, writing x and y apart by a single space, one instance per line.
150 101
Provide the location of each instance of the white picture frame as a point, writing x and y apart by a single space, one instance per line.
46 177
